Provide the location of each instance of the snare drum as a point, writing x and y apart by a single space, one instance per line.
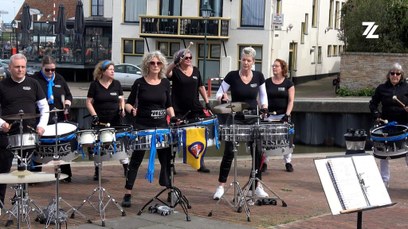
107 135
143 139
390 141
114 151
243 133
24 141
277 138
87 137
46 148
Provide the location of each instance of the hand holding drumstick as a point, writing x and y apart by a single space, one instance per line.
395 98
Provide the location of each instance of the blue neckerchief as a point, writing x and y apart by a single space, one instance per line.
50 95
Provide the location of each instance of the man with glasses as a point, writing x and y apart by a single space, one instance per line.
392 95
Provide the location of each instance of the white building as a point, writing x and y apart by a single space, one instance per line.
302 32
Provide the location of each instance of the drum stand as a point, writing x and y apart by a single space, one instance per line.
239 199
23 202
176 196
101 191
250 185
54 206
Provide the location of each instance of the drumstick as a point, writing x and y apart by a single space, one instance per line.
385 121
63 106
399 101
104 124
188 47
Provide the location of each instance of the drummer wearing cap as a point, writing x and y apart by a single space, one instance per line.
19 94
392 95
245 85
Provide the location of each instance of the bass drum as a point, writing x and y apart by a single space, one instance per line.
389 141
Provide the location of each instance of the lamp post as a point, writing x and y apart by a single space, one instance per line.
15 25
206 13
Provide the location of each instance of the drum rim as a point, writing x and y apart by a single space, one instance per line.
64 126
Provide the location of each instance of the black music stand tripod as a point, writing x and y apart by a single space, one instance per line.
239 198
101 191
176 196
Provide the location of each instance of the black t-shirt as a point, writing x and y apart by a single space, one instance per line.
241 92
151 102
184 92
20 96
106 101
278 95
60 88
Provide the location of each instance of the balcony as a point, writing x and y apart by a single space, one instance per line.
183 27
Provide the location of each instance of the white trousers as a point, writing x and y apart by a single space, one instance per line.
385 169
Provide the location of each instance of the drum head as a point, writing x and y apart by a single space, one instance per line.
62 128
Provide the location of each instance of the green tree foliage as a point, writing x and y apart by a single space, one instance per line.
391 16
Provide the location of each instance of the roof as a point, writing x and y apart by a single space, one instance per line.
47 9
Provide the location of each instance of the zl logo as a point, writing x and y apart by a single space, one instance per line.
370 30
196 149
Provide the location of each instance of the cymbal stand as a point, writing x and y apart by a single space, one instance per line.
253 180
54 207
239 199
176 196
101 191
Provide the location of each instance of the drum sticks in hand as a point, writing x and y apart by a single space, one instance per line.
398 101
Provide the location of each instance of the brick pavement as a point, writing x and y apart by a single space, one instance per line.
301 190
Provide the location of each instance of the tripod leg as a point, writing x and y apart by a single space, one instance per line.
274 193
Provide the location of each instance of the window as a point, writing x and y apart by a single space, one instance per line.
313 52
212 61
302 33
314 14
306 24
319 55
335 51
278 7
133 9
337 16
330 25
97 8
252 13
168 48
292 61
329 51
216 6
132 51
258 57
170 7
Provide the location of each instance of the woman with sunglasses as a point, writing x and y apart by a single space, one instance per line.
58 96
149 103
105 102
392 110
187 84
246 87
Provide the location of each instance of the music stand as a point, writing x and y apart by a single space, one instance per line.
101 191
239 198
176 196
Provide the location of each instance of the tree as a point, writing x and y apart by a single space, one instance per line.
391 16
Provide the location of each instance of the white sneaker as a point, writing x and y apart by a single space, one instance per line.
218 193
259 192
387 185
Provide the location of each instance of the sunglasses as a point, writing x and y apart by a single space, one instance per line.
49 69
152 63
188 58
395 73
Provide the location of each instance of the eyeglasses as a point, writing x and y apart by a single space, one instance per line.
275 66
155 63
395 73
49 69
188 58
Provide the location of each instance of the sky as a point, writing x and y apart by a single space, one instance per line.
12 7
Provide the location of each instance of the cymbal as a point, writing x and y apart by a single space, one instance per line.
227 108
54 163
20 116
25 177
55 110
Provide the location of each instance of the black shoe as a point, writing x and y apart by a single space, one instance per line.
289 167
127 201
264 167
96 174
67 180
203 169
125 169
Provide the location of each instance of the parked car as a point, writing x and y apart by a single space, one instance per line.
127 74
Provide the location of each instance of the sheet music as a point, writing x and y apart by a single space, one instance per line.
375 189
347 183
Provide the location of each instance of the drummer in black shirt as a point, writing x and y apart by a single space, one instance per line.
186 85
105 101
58 96
149 104
19 93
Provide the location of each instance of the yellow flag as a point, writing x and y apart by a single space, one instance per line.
195 140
